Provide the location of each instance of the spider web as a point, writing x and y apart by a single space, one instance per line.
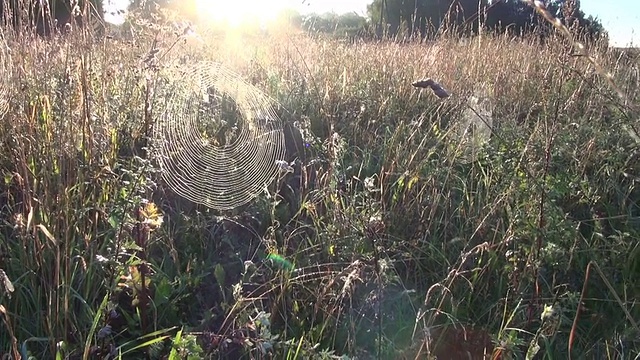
475 128
218 140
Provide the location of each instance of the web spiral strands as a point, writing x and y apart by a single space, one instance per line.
218 139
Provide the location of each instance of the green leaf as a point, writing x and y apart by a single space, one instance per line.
154 339
280 261
173 355
219 273
96 319
412 182
163 292
113 222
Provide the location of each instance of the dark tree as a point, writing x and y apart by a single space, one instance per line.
44 16
422 17
426 17
348 25
512 15
519 18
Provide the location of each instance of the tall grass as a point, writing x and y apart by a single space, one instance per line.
394 238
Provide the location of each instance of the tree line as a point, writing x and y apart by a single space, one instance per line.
428 18
392 18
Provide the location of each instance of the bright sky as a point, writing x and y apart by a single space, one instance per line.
621 18
261 6
336 6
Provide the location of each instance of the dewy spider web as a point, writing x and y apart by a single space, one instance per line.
474 129
218 139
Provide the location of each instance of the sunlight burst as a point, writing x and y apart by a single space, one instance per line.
237 13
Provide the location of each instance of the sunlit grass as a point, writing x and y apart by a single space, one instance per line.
393 235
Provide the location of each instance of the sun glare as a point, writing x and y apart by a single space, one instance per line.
234 13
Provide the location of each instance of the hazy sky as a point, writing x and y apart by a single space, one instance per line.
621 18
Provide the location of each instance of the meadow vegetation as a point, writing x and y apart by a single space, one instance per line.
397 244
